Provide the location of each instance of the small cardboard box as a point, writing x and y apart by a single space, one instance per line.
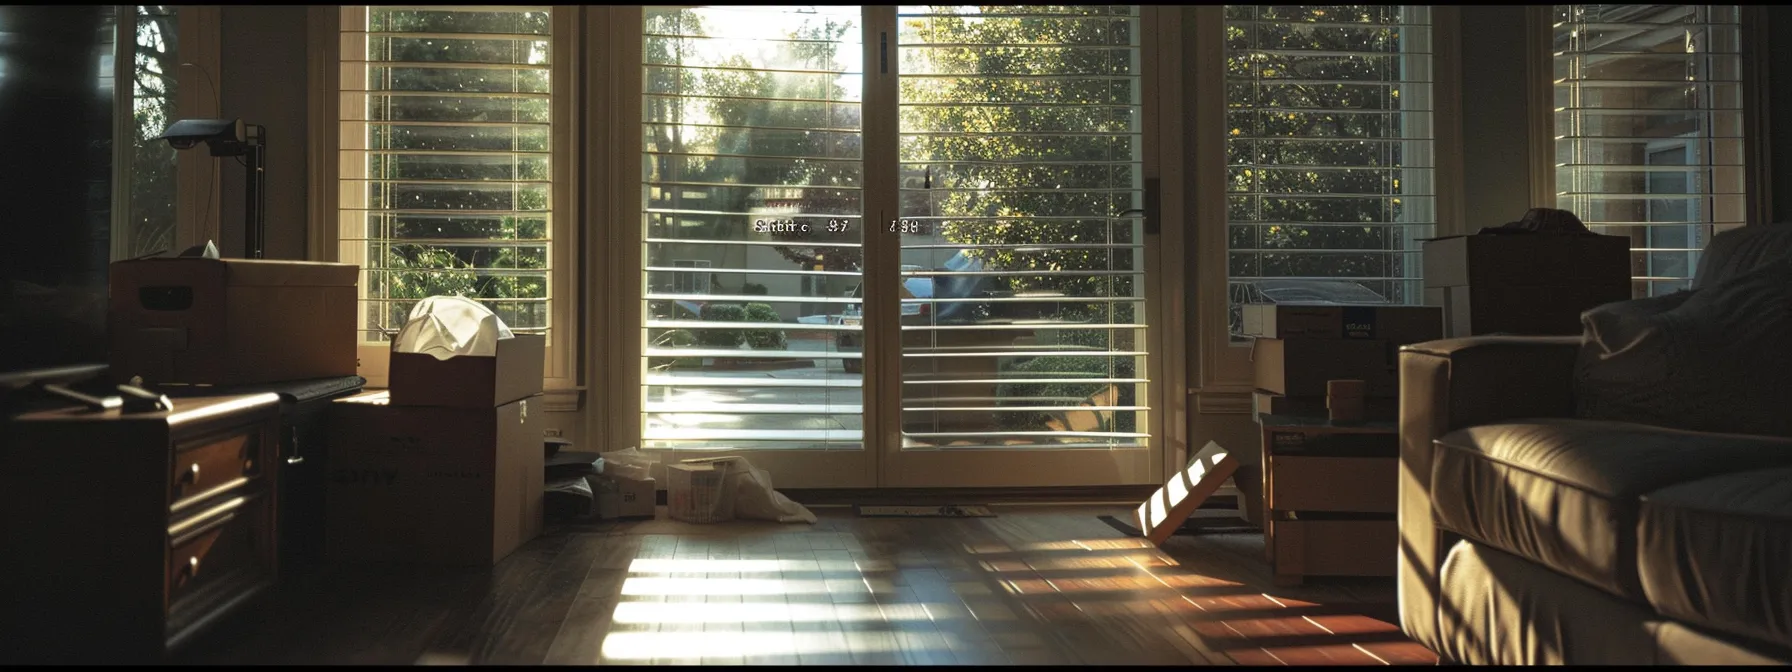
1301 367
1403 325
513 373
231 321
432 484
625 498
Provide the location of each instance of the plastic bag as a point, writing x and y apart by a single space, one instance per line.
629 463
754 499
450 326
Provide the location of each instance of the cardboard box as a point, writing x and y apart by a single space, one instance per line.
1531 311
1524 284
624 497
1526 260
231 321
1265 403
1301 367
431 484
1401 324
513 373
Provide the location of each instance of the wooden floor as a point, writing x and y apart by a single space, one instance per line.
1034 585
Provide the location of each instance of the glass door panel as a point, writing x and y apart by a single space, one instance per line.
753 179
1022 245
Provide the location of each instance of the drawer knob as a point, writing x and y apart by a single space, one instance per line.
193 473
192 566
249 465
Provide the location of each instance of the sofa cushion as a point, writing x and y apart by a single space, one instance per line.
1565 492
1717 552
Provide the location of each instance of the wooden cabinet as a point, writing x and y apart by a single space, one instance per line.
1330 494
133 532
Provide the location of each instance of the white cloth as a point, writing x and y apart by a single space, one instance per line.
451 326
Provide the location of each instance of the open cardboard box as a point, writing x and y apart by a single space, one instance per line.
468 381
198 321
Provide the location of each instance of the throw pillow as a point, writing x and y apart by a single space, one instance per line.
1714 359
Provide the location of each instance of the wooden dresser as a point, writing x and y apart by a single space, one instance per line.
126 534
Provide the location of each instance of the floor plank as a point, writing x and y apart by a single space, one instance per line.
1033 585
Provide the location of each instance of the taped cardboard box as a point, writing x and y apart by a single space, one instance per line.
1301 367
470 381
432 484
1403 325
203 321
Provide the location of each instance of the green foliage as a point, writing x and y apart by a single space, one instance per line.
1273 94
754 289
674 338
1021 394
722 338
764 339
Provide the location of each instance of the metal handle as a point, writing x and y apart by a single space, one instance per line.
193 473
193 567
295 458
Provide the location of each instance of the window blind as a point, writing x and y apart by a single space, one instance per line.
1329 146
752 179
445 180
1021 164
1649 130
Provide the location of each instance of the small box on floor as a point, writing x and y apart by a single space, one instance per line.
623 497
432 484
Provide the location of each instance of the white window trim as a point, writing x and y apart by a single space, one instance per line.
561 377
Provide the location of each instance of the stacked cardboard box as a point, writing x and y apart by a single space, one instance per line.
446 467
1298 349
1531 284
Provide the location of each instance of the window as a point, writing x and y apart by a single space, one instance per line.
152 167
692 282
1649 130
1022 167
1329 150
446 180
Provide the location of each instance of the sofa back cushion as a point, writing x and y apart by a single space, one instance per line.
1735 253
1717 358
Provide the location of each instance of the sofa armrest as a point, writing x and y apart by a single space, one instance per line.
1444 386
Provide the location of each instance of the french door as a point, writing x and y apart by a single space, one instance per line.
882 246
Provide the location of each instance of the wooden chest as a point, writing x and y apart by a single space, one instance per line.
134 531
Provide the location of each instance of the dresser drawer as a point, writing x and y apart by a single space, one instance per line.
218 553
204 466
1353 484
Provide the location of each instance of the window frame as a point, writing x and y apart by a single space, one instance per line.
561 376
197 42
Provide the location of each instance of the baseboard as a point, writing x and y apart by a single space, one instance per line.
1130 495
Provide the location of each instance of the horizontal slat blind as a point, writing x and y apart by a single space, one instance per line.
1022 174
752 176
446 187
1649 139
1329 148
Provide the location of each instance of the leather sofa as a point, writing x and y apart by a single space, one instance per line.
1528 536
